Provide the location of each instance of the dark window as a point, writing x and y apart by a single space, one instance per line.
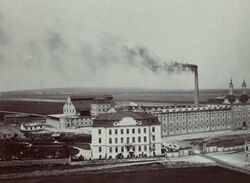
133 139
99 131
110 131
153 137
100 149
100 140
110 140
153 129
121 131
116 131
139 148
127 131
133 130
139 139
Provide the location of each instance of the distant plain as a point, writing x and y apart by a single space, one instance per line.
50 101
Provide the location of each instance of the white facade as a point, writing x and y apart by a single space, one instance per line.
180 121
126 138
75 121
241 116
93 105
69 108
99 108
31 127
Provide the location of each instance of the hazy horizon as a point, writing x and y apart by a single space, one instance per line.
90 43
121 89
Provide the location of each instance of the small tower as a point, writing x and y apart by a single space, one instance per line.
231 87
244 87
244 97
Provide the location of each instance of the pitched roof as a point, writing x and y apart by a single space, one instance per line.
105 120
82 105
84 102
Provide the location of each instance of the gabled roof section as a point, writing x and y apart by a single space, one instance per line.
111 119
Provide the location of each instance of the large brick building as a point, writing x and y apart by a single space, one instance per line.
179 121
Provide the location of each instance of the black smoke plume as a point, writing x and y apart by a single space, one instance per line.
141 56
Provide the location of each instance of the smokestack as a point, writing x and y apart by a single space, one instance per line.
196 85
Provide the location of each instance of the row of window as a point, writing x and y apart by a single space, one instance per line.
196 116
68 103
128 131
100 105
100 110
126 149
69 111
80 120
191 122
197 122
128 140
196 128
79 124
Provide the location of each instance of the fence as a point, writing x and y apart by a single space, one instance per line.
226 165
35 162
180 153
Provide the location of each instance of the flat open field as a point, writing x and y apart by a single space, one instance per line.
146 95
50 101
188 175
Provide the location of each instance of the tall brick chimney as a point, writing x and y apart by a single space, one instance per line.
196 85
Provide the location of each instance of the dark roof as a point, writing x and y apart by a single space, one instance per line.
231 98
82 103
101 101
244 98
108 119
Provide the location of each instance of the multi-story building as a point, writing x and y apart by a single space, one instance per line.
241 116
179 121
233 112
87 105
125 134
76 121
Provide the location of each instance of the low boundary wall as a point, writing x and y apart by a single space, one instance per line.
61 161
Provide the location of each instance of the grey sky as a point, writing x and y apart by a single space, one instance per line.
80 43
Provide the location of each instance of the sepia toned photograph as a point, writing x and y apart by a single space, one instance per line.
124 91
